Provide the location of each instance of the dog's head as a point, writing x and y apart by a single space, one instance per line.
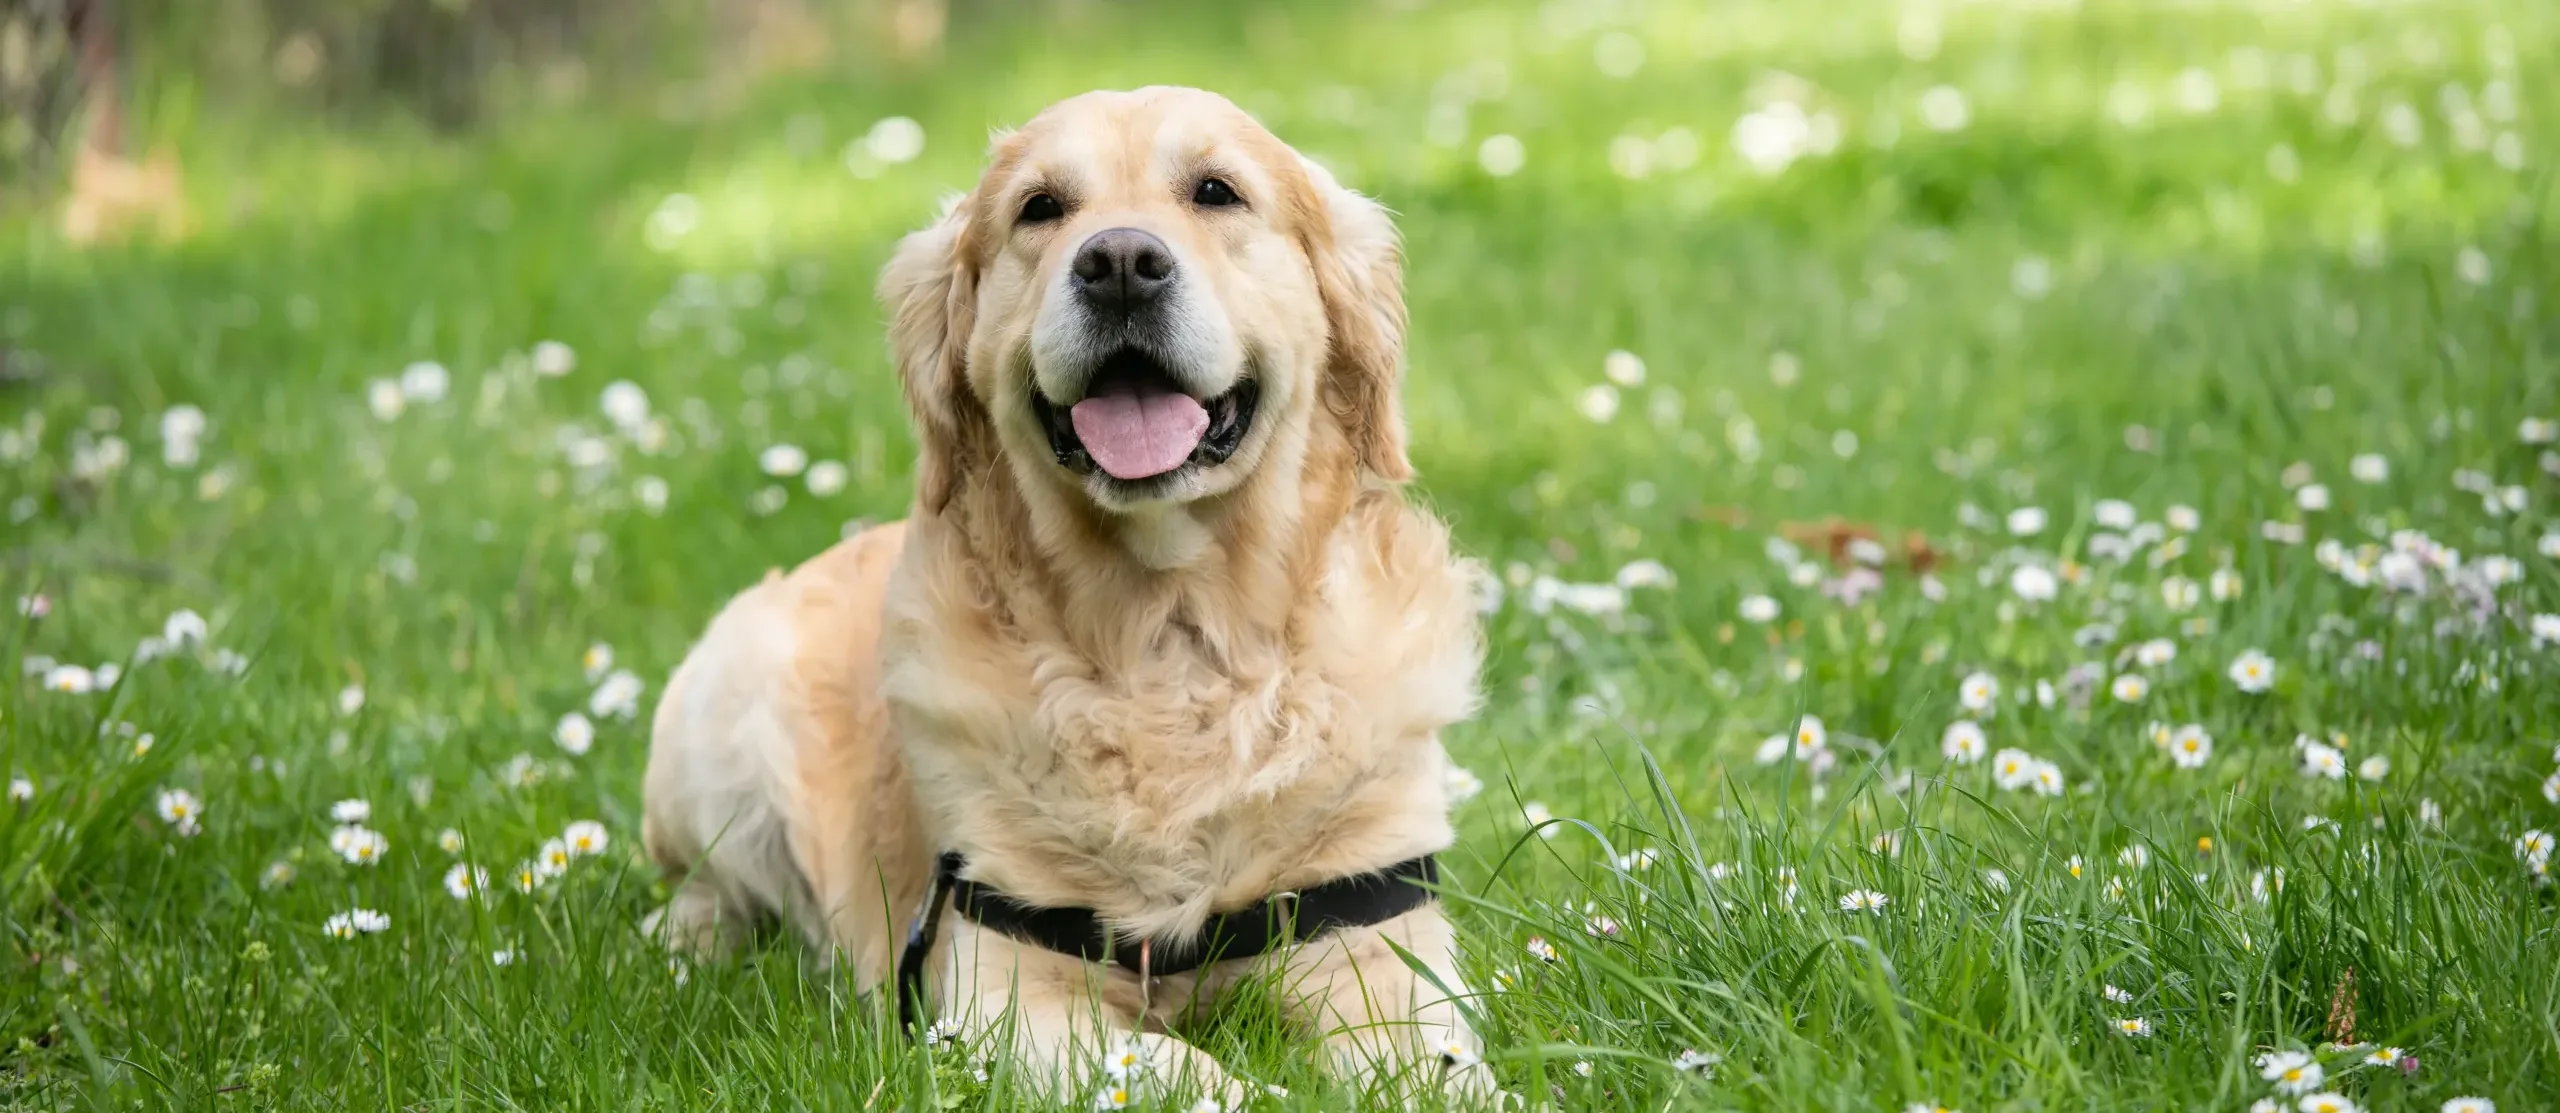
1148 300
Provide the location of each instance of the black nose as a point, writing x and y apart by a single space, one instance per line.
1122 268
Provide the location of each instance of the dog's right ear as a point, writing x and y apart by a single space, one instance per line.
930 291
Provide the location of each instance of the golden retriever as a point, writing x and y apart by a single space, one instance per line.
1161 639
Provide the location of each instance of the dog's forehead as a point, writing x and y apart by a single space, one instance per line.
1142 136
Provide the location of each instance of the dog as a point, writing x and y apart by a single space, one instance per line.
1162 639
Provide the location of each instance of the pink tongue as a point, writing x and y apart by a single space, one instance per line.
1135 432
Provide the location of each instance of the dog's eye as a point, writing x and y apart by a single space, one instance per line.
1214 193
1040 208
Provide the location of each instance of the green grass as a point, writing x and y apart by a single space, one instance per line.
2203 325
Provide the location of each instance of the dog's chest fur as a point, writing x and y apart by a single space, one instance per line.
1187 766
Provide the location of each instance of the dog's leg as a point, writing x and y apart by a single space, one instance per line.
1380 1019
1062 1021
700 922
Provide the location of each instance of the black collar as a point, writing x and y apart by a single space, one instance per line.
1356 901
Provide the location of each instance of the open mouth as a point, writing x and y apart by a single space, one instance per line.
1135 423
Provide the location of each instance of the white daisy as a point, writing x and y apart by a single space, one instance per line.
2534 846
2369 467
465 879
2253 671
1457 1055
2328 1103
1810 737
2190 747
21 790
2013 769
2179 593
1696 1062
449 841
360 846
2130 688
2134 1027
2374 768
2470 1105
351 811
2155 653
2136 856
1132 1059
783 460
584 838
1539 818
2114 514
575 733
2319 760
617 697
552 859
2115 995
1979 693
2383 1057
1864 900
2046 779
356 921
1963 742
2034 583
179 808
2223 585
2293 1072
1759 610
597 660
1540 949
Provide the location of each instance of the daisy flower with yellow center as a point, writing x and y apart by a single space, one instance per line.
2190 747
584 838
2253 671
1964 742
179 807
2293 1072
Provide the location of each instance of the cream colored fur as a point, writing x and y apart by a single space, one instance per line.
1159 710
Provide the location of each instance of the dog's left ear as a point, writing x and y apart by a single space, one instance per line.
1359 265
930 291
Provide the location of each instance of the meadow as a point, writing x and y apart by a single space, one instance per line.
2029 574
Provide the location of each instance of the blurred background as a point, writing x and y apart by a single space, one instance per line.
1682 274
